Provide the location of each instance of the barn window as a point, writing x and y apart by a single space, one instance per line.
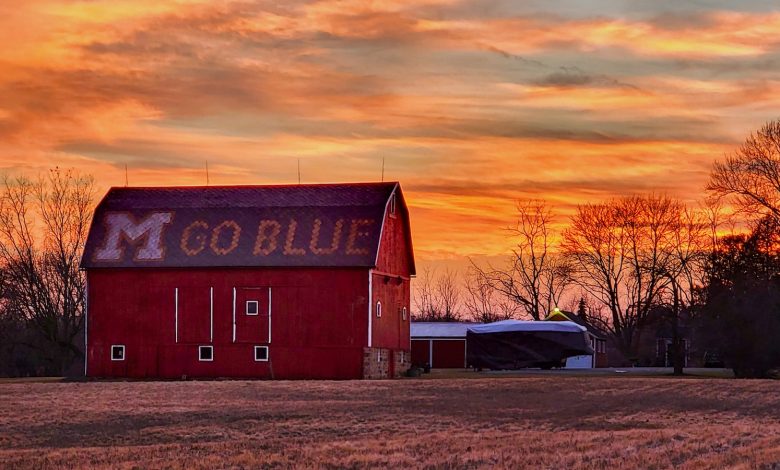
261 353
205 353
118 352
403 313
378 309
252 307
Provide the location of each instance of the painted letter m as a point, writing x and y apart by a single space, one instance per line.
121 226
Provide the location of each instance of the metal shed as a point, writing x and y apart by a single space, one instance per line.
439 344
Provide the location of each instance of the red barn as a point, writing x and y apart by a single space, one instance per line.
287 282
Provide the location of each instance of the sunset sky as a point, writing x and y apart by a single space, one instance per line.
471 104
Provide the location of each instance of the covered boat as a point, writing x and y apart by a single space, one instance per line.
514 344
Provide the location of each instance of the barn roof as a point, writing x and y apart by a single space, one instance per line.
312 225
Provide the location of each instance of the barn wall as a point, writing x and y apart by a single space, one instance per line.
390 286
393 255
318 322
391 329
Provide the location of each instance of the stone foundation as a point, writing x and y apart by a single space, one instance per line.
403 362
376 363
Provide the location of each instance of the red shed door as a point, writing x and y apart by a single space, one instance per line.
253 315
449 354
194 314
421 352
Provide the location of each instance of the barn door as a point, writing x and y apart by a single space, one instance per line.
253 315
194 314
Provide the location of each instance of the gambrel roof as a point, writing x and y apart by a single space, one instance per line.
313 225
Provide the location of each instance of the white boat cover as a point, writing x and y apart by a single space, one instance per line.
506 326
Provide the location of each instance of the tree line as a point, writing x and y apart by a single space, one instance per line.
43 227
633 260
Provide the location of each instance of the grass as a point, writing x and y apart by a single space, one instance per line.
538 422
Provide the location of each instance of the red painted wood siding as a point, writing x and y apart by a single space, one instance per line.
252 328
194 314
390 330
319 322
446 353
391 287
449 354
393 255
420 352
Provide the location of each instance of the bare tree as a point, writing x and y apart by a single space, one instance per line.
42 281
448 295
437 297
619 250
425 301
535 278
482 302
751 176
690 244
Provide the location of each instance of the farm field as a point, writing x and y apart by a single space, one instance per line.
538 422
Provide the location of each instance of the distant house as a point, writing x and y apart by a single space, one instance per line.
293 282
655 346
597 341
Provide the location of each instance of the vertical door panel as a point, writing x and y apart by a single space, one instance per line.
194 314
253 321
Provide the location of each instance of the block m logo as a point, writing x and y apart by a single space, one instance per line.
121 226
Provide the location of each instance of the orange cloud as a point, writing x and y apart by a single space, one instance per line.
470 108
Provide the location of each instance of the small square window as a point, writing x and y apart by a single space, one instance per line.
252 307
117 352
205 353
261 353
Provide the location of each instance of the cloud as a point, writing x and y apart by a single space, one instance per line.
472 105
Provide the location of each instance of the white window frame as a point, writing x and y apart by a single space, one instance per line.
200 354
122 347
267 353
403 314
257 307
379 309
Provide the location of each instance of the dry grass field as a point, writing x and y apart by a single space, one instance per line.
535 422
